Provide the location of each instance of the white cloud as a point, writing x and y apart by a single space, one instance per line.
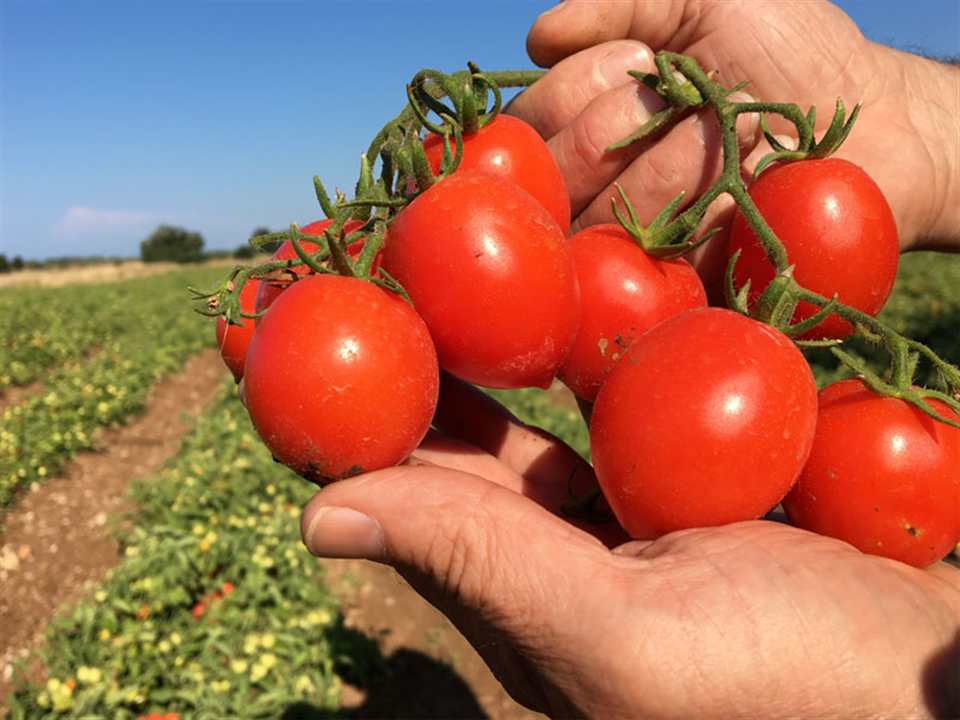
84 222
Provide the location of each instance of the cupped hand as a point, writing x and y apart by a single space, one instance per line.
755 619
809 53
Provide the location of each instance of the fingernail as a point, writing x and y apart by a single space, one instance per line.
612 70
339 532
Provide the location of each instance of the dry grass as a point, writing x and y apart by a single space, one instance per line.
99 273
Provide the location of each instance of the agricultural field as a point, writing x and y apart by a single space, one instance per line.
213 608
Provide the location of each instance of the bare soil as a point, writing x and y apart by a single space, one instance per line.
56 548
95 273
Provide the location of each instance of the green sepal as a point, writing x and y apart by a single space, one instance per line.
736 301
323 198
811 322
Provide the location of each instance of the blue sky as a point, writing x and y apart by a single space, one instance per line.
116 116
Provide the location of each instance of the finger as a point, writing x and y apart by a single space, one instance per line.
580 148
475 550
559 96
574 25
688 159
478 541
536 464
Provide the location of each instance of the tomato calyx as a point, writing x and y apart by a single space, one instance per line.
666 237
808 147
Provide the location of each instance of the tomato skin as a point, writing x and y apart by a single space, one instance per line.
623 293
341 378
234 340
492 276
882 476
836 227
270 290
512 149
707 419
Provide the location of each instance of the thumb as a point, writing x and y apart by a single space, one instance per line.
479 547
574 25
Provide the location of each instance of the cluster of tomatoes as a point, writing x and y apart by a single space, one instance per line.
701 415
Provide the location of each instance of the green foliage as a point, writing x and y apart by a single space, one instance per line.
217 610
4 264
540 407
172 244
924 306
141 330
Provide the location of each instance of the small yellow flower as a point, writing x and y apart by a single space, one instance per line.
258 672
239 666
164 646
104 634
304 685
268 640
268 660
204 545
89 675
220 686
175 638
100 596
251 644
199 529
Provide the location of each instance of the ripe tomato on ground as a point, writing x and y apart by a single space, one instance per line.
882 476
233 340
707 419
491 274
341 378
271 289
623 293
512 149
837 229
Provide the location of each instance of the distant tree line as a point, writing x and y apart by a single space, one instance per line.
165 244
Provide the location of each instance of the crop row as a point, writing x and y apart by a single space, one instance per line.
148 331
216 609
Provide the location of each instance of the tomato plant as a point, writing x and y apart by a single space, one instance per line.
233 340
836 228
707 419
624 292
509 147
492 276
270 290
341 378
882 476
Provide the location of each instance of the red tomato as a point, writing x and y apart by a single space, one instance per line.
269 291
836 227
341 378
511 148
707 419
492 276
623 293
233 340
882 476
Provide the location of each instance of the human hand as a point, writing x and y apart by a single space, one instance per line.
810 53
755 619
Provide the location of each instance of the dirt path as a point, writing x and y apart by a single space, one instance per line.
55 544
433 670
56 547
